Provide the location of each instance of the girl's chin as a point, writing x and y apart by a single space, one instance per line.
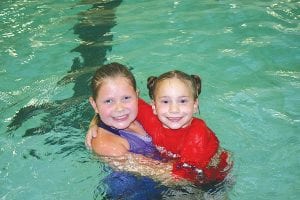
172 126
121 125
117 124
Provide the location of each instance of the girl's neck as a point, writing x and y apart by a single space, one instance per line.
135 127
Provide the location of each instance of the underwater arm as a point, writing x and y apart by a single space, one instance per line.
144 166
116 153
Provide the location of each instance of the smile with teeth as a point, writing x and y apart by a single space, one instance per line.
174 119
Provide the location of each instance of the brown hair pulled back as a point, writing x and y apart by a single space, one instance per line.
194 81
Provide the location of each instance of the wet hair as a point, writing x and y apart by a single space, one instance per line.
111 70
193 81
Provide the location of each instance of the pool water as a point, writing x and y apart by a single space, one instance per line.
247 54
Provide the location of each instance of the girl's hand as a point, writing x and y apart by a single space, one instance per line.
91 133
141 165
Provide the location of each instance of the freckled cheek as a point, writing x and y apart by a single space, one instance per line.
105 111
162 109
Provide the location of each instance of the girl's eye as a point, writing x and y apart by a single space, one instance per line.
108 101
164 101
126 98
183 101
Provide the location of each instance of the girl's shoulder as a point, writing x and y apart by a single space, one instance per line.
199 128
108 144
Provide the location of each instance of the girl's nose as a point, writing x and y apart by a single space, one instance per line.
173 108
119 106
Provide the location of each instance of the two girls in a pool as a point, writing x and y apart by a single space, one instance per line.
125 123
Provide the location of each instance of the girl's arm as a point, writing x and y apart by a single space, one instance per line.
114 150
149 120
143 166
106 144
202 159
145 116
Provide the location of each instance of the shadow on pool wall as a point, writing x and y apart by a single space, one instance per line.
74 112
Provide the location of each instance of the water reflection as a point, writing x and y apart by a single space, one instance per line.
71 115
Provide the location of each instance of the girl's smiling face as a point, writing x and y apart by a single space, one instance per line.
174 103
116 102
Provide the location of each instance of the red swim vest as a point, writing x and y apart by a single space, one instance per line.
196 150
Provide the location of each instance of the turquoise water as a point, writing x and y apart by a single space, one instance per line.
247 54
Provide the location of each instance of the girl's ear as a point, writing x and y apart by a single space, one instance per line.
94 105
153 107
196 106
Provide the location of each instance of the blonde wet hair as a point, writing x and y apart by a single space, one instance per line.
111 70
